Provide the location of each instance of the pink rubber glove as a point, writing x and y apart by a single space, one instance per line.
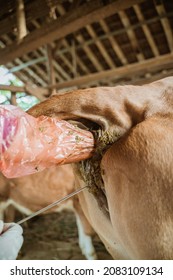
11 240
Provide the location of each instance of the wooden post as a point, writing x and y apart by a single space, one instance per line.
21 21
74 62
13 100
50 68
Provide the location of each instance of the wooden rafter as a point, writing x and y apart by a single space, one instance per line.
59 69
81 41
68 49
22 77
132 36
108 34
106 47
90 54
39 78
101 47
60 73
36 75
17 62
114 43
166 26
146 31
72 21
27 64
87 50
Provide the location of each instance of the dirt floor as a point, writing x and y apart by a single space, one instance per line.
54 237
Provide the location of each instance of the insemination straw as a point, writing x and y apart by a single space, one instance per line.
51 205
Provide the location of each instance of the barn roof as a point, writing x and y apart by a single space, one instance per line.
60 44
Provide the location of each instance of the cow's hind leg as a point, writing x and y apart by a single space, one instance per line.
85 232
3 206
9 215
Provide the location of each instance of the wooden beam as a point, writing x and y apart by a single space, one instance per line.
141 80
72 21
152 78
35 91
12 88
143 67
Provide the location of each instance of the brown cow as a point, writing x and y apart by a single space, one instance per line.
31 193
135 188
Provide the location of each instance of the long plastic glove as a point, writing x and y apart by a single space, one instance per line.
29 145
11 240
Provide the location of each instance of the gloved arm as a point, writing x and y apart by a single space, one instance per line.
11 240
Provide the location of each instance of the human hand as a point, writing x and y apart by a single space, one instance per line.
11 240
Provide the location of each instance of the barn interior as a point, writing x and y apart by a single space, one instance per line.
55 46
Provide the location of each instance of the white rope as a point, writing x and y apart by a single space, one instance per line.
50 206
